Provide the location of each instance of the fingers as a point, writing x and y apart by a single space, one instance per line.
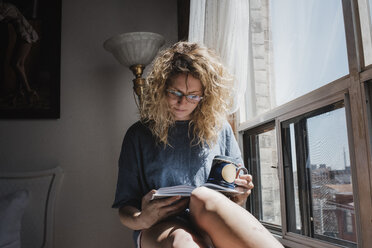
155 210
247 177
244 184
244 181
167 201
160 202
175 208
148 196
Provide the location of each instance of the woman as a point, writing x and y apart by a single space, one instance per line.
183 126
26 37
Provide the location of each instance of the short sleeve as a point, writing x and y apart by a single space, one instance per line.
128 189
231 145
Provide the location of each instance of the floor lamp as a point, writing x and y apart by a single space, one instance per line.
135 50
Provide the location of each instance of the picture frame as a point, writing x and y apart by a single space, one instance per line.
30 52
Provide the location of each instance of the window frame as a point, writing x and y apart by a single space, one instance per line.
352 89
305 197
250 141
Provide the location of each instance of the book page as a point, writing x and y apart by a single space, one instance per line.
185 190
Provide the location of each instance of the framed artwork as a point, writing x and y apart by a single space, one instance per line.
30 48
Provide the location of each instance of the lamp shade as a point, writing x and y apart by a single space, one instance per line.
137 48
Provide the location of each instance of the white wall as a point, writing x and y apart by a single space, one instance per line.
97 107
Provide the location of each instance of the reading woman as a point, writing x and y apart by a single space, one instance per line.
183 126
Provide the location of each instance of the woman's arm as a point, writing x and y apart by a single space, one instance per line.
129 217
152 211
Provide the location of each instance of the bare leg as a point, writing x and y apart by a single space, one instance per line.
21 51
227 224
172 234
4 42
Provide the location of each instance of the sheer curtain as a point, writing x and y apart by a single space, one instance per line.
365 14
223 25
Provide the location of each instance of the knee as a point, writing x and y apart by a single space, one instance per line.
204 201
17 65
181 238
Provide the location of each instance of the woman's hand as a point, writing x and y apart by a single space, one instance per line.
244 184
155 210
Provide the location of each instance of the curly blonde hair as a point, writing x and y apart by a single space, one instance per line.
203 64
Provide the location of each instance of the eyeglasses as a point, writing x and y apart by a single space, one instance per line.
178 95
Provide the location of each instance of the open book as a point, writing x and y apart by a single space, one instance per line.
185 190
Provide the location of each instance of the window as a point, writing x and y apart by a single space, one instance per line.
309 47
366 27
349 222
318 175
368 90
297 46
263 163
306 124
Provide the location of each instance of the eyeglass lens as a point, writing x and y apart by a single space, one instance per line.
189 98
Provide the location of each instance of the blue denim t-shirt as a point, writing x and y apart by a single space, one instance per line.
146 164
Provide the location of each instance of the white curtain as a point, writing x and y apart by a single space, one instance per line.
223 25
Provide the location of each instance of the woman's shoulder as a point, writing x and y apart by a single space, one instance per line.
138 129
226 130
226 126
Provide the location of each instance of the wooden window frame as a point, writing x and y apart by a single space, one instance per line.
304 181
355 90
251 158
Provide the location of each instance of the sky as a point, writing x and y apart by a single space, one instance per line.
309 51
328 139
309 46
370 4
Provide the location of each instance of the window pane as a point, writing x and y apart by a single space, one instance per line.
297 46
317 173
270 193
260 152
309 46
295 180
368 90
365 15
330 174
